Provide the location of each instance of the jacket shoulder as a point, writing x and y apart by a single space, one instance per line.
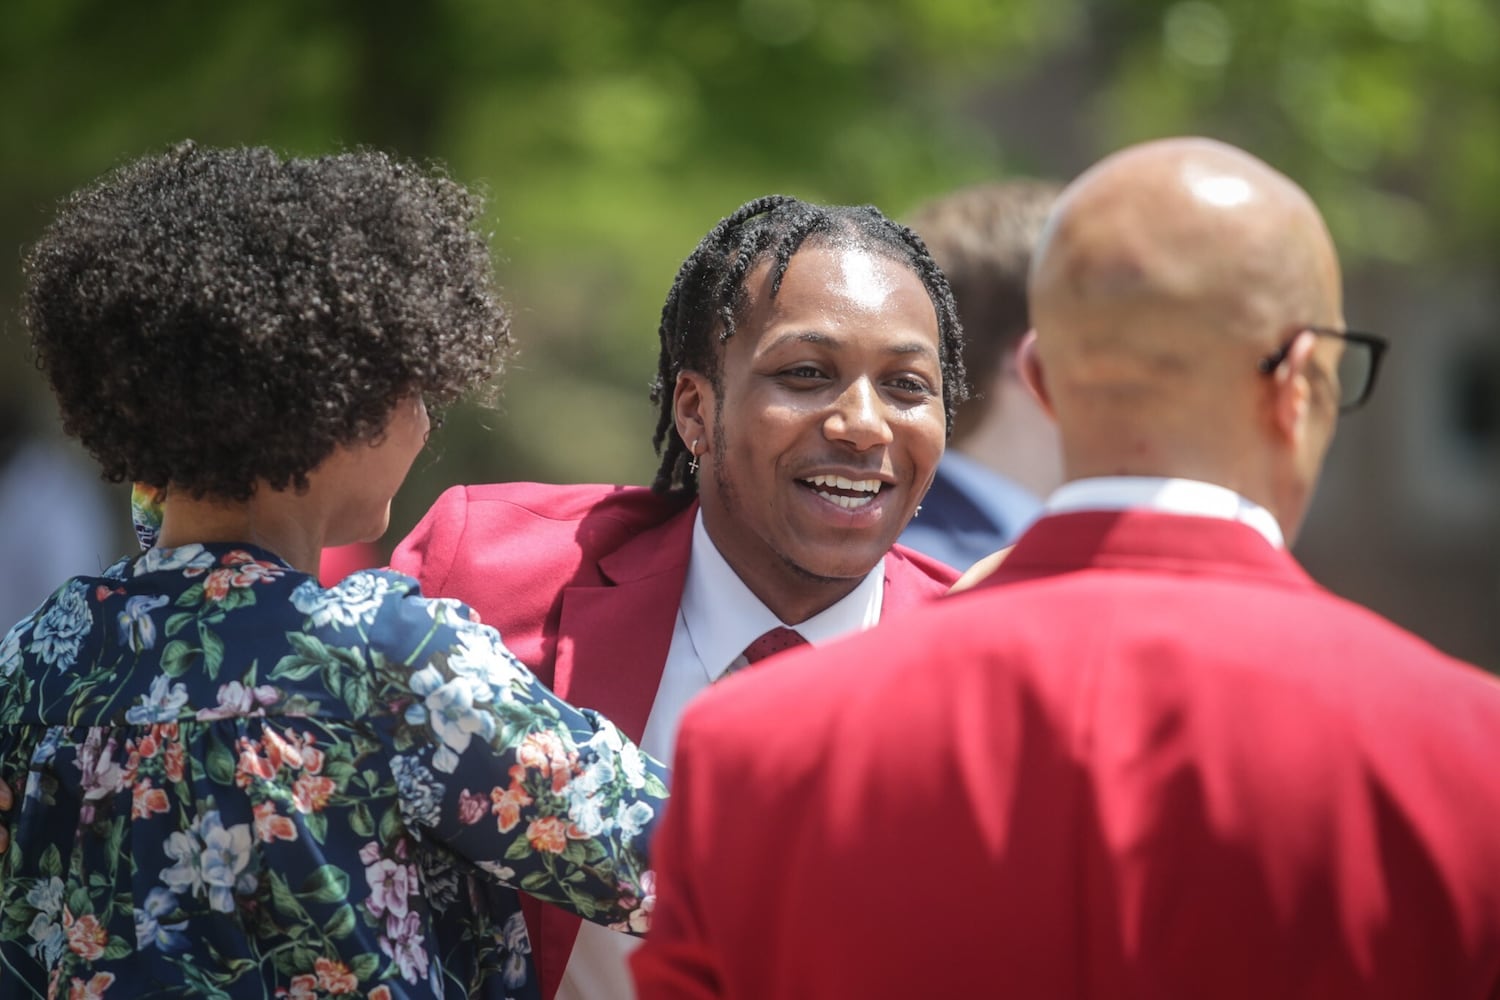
471 532
921 574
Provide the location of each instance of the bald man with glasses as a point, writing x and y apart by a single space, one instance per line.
1148 757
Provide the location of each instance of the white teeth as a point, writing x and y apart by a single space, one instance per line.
839 482
848 503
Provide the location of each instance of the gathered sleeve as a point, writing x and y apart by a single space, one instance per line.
544 797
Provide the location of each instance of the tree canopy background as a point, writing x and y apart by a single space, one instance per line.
611 136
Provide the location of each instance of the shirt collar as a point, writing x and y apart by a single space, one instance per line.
722 616
1169 496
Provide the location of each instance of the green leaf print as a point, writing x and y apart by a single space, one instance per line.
282 899
327 884
177 658
220 763
365 966
213 651
361 822
342 923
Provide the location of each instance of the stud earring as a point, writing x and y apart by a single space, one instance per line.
693 464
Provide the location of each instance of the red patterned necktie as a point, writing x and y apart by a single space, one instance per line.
774 641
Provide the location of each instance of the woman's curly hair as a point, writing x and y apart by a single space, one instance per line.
213 318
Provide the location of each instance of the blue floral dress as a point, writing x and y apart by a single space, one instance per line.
231 782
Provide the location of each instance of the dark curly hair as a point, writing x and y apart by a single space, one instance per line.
709 292
213 318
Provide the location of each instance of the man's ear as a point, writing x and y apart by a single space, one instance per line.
1030 368
1292 387
693 405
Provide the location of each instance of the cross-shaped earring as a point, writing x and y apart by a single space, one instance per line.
693 462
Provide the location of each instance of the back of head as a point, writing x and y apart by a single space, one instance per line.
211 319
982 237
709 292
1167 273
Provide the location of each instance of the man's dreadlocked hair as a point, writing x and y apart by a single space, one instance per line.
709 292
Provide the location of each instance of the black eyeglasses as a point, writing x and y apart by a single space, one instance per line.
1358 364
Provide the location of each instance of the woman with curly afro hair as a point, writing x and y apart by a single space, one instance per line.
217 776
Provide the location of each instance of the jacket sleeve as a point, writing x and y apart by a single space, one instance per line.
678 960
541 796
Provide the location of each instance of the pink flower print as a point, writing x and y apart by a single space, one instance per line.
471 807
391 883
402 941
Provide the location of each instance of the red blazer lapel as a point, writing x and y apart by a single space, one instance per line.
612 644
612 640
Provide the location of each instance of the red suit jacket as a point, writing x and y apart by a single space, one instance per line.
583 583
1149 759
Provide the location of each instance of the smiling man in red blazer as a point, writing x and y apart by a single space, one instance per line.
810 364
1148 757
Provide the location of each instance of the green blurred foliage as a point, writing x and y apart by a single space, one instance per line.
610 136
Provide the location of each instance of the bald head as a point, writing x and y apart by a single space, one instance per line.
1166 273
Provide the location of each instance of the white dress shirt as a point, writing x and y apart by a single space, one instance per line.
1168 496
717 619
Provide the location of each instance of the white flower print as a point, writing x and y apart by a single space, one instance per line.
10 648
518 946
353 602
238 701
586 814
632 818
161 703
481 655
150 932
60 630
137 630
49 940
211 858
192 559
633 764
504 873
447 708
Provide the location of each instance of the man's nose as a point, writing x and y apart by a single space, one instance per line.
858 417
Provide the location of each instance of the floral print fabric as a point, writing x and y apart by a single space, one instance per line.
232 782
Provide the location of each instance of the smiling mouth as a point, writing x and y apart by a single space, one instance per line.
850 494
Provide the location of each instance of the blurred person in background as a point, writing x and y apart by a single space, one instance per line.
1149 756
54 516
218 777
810 367
1004 456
